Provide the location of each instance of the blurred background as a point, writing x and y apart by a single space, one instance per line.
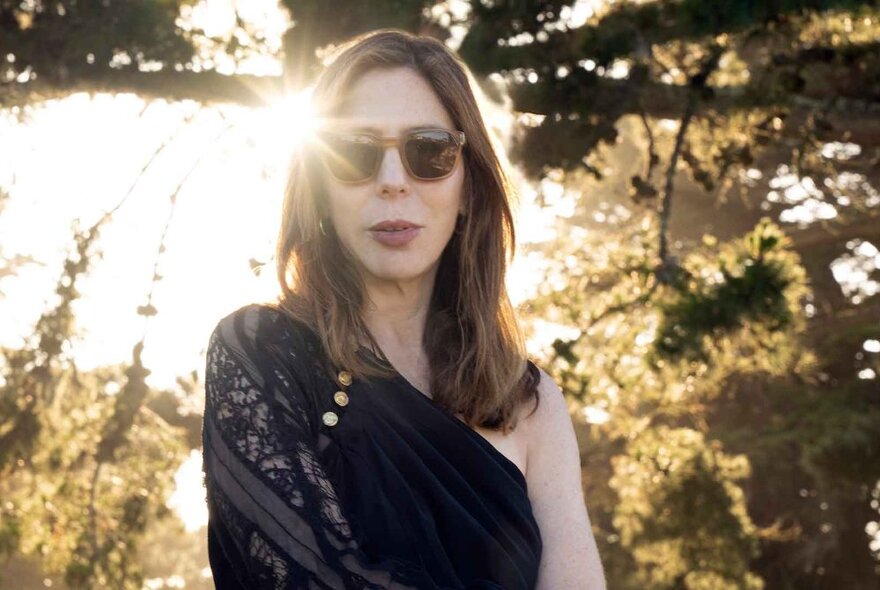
697 266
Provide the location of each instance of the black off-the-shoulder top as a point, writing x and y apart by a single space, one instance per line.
313 483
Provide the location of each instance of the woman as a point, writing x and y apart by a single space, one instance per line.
379 426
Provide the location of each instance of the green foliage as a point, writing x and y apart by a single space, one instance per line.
755 281
32 370
57 39
128 403
672 480
678 515
843 433
82 517
318 24
83 470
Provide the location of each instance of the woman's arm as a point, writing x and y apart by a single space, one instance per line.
570 558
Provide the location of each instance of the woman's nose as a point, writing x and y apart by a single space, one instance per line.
392 174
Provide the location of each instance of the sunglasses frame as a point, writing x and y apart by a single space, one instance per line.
385 142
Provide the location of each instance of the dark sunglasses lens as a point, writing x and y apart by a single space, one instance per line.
351 159
431 154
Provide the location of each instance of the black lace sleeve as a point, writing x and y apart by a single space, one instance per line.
275 520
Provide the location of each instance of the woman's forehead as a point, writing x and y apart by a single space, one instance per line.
391 102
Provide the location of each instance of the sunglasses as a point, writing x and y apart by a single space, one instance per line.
427 154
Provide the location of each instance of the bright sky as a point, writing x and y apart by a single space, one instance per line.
76 158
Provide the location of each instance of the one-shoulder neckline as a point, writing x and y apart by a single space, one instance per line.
504 459
520 476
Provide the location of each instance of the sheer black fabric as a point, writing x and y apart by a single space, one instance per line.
398 494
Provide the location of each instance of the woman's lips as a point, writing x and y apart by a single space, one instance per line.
395 238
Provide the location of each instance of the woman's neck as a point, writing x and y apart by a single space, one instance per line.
396 317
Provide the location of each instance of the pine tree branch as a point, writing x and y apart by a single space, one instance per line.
698 85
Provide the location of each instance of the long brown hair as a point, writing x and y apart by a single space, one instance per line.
472 338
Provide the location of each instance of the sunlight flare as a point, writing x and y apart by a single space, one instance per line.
292 119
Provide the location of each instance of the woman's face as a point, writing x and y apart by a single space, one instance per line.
386 103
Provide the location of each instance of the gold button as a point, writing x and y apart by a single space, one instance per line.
330 418
345 377
341 398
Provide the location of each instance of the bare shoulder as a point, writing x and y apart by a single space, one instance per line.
551 414
570 558
545 427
